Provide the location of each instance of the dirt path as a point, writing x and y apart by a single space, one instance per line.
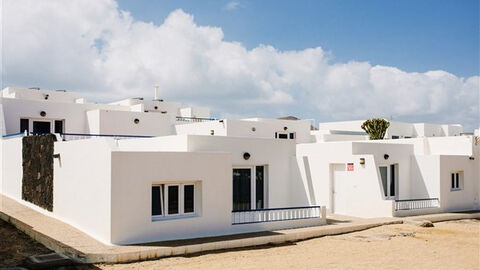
449 245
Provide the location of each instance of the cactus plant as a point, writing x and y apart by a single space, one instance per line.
376 128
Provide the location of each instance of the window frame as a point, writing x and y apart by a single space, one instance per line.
253 185
456 180
181 209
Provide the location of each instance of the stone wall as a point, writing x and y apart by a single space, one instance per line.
37 182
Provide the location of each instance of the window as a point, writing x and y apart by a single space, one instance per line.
395 137
285 135
173 200
456 181
24 125
58 126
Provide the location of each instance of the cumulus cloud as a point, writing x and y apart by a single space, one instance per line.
94 48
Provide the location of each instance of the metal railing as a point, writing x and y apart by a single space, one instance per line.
195 119
12 135
416 204
81 136
275 214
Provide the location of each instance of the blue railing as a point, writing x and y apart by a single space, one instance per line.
275 214
81 136
19 134
416 204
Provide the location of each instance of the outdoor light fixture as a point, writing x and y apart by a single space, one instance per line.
43 113
253 129
285 128
386 156
471 158
156 107
212 132
246 156
136 121
362 161
46 96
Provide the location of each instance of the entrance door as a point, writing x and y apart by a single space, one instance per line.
340 189
42 127
249 188
242 189
389 175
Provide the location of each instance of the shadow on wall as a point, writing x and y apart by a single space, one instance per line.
418 178
300 193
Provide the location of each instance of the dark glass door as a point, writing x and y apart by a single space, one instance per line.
242 189
41 127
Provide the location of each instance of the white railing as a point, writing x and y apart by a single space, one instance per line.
275 214
194 119
80 136
416 204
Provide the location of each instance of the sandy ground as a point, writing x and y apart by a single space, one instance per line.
449 245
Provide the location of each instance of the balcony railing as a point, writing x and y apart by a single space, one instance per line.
416 204
275 214
194 119
81 136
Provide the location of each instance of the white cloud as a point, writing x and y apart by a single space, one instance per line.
94 48
232 5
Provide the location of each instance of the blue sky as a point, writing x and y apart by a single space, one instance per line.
414 36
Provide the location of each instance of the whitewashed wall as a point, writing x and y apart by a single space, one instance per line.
82 186
12 170
467 197
274 153
425 177
266 128
122 123
202 128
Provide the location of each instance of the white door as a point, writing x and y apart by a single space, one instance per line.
340 189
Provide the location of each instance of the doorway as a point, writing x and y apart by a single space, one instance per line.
249 188
389 177
42 127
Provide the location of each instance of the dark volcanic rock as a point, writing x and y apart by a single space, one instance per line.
37 182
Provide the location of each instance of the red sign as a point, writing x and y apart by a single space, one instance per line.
350 167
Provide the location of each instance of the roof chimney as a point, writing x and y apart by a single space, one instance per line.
157 92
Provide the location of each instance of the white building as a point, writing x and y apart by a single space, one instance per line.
141 171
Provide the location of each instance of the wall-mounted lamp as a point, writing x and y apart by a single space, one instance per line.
471 158
285 128
156 107
45 96
253 129
212 132
43 113
136 121
386 156
246 156
362 161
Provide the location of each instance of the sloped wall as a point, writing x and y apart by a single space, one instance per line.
37 181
